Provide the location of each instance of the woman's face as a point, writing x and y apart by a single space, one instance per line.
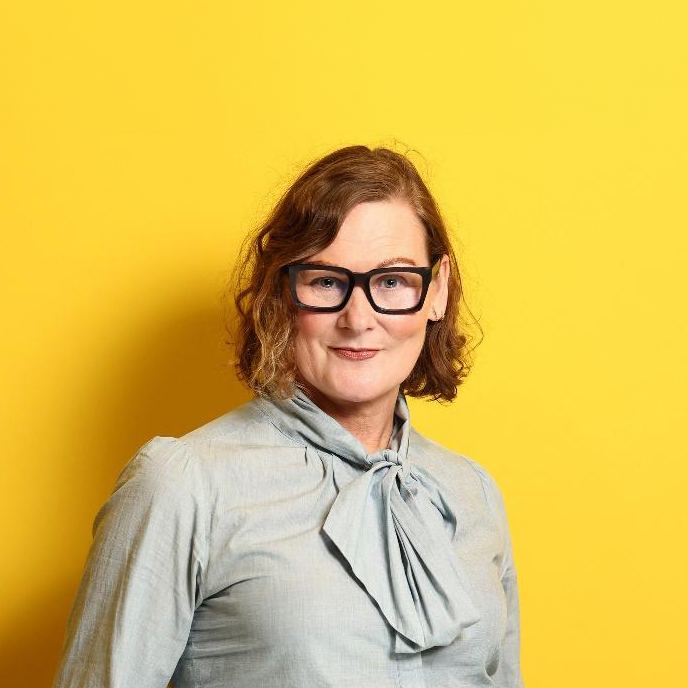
371 234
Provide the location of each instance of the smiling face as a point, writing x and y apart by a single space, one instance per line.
371 234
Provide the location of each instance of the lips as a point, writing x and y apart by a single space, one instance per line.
355 354
348 348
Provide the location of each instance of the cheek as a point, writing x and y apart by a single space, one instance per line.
409 331
311 327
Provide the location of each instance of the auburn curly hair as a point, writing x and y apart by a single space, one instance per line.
305 220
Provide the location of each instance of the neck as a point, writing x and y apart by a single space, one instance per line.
371 422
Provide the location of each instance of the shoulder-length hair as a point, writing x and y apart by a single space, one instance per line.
304 221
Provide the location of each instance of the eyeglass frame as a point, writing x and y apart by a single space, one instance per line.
363 279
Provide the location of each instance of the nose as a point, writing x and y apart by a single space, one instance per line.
358 314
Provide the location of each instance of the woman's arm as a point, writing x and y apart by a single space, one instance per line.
140 586
508 674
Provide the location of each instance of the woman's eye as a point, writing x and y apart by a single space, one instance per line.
323 282
391 282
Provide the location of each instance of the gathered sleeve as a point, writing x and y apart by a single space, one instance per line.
142 579
508 674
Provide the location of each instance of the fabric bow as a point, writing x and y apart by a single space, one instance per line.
388 527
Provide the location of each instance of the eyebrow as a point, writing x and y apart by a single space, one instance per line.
383 264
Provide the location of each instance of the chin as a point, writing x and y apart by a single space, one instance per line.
357 390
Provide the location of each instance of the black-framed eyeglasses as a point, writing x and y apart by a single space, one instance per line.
327 288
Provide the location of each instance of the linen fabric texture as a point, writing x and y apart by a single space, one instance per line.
267 548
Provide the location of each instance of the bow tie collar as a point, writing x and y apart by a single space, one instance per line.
387 525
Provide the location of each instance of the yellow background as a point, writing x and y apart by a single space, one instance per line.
141 140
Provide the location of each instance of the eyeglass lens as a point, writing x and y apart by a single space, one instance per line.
326 288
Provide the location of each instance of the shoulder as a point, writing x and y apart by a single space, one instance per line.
192 460
156 493
462 474
198 449
160 469
241 423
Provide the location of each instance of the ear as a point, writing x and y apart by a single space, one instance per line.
438 291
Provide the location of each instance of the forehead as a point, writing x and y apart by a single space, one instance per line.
374 232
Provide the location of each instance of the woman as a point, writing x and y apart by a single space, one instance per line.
312 537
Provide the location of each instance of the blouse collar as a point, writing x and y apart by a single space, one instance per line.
300 418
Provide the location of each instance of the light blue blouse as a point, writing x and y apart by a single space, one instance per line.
267 548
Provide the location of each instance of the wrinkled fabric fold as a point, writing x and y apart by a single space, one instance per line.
389 529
